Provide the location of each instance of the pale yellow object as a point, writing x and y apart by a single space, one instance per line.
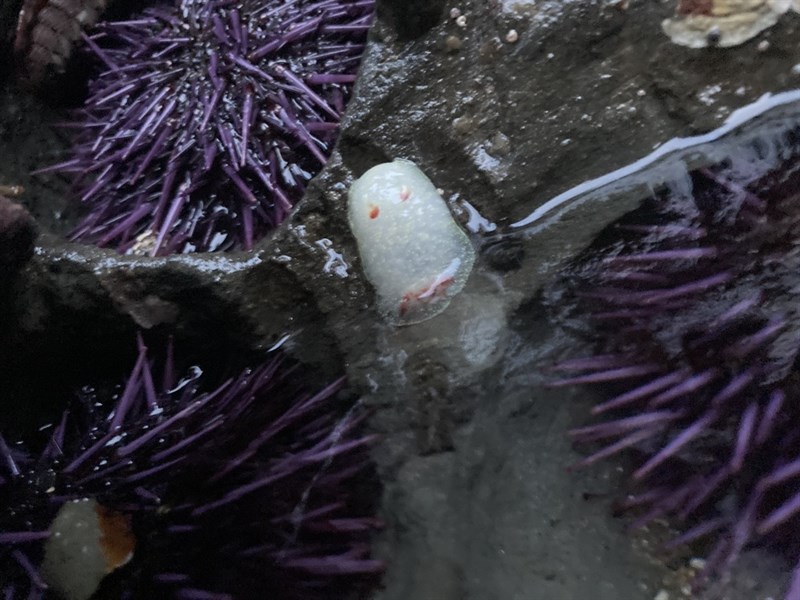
731 22
413 251
87 541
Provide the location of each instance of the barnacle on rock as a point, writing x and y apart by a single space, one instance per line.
47 32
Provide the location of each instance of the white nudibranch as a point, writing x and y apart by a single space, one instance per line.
414 253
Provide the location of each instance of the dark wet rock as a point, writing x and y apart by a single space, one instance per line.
9 9
17 234
503 253
411 19
29 141
477 498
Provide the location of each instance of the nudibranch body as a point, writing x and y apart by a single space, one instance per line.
413 251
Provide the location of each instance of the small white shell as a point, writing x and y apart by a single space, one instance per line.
413 251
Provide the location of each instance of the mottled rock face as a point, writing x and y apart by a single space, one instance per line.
17 234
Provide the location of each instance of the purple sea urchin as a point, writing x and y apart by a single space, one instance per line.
229 492
693 299
210 118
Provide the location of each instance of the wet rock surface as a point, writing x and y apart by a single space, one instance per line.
477 498
29 140
17 234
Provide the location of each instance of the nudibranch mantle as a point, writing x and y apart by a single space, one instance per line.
413 251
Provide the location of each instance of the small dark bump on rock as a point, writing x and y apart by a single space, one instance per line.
503 253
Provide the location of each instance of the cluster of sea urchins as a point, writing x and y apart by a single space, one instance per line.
693 298
242 491
209 119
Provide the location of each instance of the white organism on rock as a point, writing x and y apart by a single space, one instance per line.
413 251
